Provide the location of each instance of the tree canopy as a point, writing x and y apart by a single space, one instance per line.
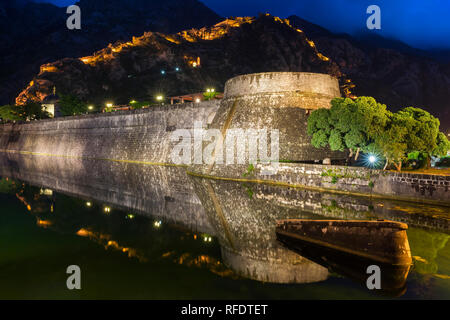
71 105
365 125
30 111
10 113
348 124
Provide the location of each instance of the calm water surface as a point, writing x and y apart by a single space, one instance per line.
152 232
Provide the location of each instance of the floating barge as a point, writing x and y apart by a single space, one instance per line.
348 247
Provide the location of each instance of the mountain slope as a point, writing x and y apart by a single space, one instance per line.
398 78
35 33
132 70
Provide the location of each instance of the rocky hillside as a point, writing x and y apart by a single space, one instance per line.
32 34
391 72
146 66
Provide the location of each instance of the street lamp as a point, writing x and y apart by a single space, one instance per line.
371 160
209 93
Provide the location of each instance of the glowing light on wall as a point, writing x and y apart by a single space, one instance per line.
311 43
157 224
322 57
48 68
46 192
43 223
83 232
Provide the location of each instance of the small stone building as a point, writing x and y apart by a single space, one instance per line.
50 104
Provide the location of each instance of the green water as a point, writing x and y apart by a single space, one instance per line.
126 255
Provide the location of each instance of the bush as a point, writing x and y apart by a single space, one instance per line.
71 105
443 162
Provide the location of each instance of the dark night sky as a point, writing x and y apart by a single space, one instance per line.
420 23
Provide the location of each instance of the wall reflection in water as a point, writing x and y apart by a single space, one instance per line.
240 216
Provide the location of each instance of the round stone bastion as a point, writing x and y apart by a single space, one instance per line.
280 101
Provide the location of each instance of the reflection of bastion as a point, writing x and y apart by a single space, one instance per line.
245 228
289 268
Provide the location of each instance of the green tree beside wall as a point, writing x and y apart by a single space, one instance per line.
30 111
348 124
365 125
70 105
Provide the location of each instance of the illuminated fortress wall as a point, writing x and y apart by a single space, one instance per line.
138 135
275 100
279 101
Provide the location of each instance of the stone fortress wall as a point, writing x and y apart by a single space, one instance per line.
138 135
278 100
353 181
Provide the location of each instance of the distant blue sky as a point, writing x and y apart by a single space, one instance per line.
420 23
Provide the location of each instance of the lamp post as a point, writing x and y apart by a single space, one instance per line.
160 98
210 93
108 107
